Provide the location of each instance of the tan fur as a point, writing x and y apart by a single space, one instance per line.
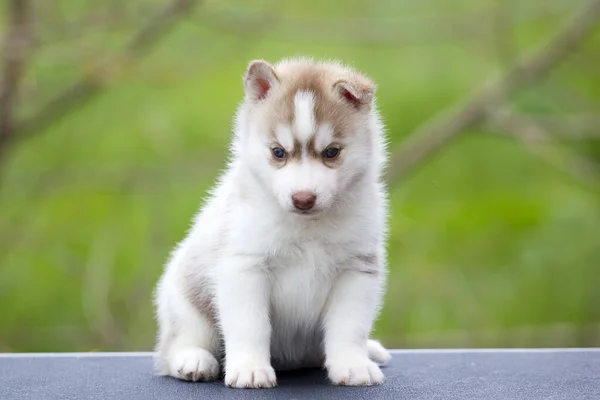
296 153
322 80
326 81
200 296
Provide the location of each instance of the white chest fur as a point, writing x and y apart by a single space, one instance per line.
301 281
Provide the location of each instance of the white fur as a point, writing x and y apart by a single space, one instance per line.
324 136
285 136
289 290
304 104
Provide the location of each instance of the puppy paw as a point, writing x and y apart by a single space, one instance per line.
194 364
363 373
250 376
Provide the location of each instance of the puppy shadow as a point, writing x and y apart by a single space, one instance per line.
303 377
307 383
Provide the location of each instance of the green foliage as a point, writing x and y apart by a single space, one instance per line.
489 246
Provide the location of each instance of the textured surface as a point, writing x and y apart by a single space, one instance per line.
529 374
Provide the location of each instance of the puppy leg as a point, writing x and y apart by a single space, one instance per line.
243 293
188 344
350 313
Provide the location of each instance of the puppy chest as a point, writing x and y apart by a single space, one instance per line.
299 291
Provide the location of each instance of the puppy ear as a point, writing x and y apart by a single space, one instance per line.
259 79
357 92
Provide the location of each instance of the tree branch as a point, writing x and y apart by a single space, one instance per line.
91 84
573 127
472 111
540 143
16 49
567 127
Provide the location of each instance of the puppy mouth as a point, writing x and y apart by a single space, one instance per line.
308 212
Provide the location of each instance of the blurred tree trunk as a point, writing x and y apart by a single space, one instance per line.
16 48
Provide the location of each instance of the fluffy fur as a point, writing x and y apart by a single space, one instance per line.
285 265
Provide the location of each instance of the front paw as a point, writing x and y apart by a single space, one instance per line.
194 364
250 376
352 373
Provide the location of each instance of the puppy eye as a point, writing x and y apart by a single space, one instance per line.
278 152
331 152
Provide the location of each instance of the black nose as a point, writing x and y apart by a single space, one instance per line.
304 200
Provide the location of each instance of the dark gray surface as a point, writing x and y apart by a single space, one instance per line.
516 374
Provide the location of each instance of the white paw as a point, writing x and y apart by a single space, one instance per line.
194 364
250 376
364 373
378 353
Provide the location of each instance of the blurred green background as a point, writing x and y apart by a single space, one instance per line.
495 241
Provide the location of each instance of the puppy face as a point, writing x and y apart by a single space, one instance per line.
307 135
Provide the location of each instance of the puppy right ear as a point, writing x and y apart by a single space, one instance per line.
259 79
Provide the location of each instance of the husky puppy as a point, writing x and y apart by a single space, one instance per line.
284 266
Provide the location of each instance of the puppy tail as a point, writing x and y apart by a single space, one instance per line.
377 353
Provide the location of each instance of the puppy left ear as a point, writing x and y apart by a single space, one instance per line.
358 93
259 79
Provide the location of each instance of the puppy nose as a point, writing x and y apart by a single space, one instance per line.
304 200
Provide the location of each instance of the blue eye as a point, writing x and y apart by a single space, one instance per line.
278 152
331 152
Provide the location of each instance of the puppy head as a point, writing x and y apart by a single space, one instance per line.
307 131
